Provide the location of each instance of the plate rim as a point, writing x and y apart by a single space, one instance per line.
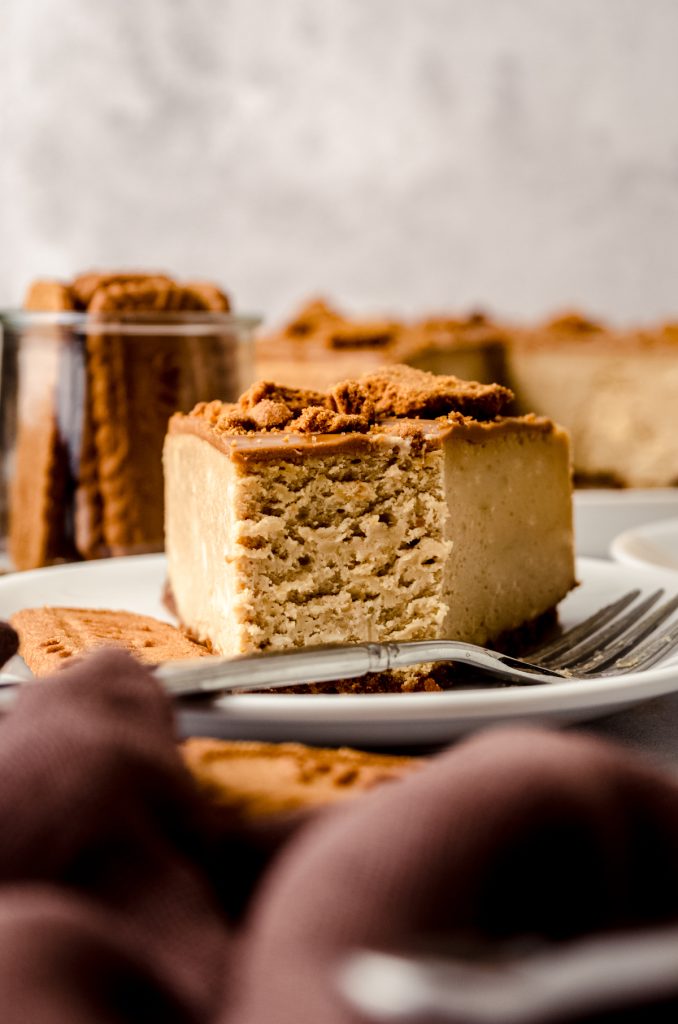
625 495
464 705
645 533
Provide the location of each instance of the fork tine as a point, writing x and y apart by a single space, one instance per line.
564 642
577 659
649 653
625 655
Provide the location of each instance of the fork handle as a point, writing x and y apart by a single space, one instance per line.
275 670
328 663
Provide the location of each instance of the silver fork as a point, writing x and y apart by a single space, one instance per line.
586 977
621 637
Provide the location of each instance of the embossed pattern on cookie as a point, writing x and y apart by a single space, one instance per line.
49 637
258 779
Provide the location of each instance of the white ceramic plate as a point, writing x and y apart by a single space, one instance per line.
655 544
370 720
601 514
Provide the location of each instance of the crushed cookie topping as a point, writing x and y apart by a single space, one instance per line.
296 399
477 327
313 315
573 323
326 421
410 430
324 324
352 397
670 330
365 334
475 319
267 414
401 391
356 406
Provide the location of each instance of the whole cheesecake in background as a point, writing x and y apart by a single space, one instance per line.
93 403
322 346
616 392
398 506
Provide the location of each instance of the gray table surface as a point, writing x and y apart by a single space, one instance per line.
651 727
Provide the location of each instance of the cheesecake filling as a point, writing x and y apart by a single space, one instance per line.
509 528
278 554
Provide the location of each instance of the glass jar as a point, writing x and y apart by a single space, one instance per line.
84 405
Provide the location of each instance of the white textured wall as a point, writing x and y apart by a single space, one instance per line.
394 153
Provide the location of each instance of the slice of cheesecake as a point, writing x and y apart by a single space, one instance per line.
400 506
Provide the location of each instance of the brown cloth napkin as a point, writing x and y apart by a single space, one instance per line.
124 897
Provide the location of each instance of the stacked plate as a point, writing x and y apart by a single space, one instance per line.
602 515
653 544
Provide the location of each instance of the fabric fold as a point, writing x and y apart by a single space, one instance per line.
126 895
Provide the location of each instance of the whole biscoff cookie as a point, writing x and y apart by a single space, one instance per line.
48 637
135 385
147 294
46 296
84 286
211 297
257 779
37 518
118 505
311 317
